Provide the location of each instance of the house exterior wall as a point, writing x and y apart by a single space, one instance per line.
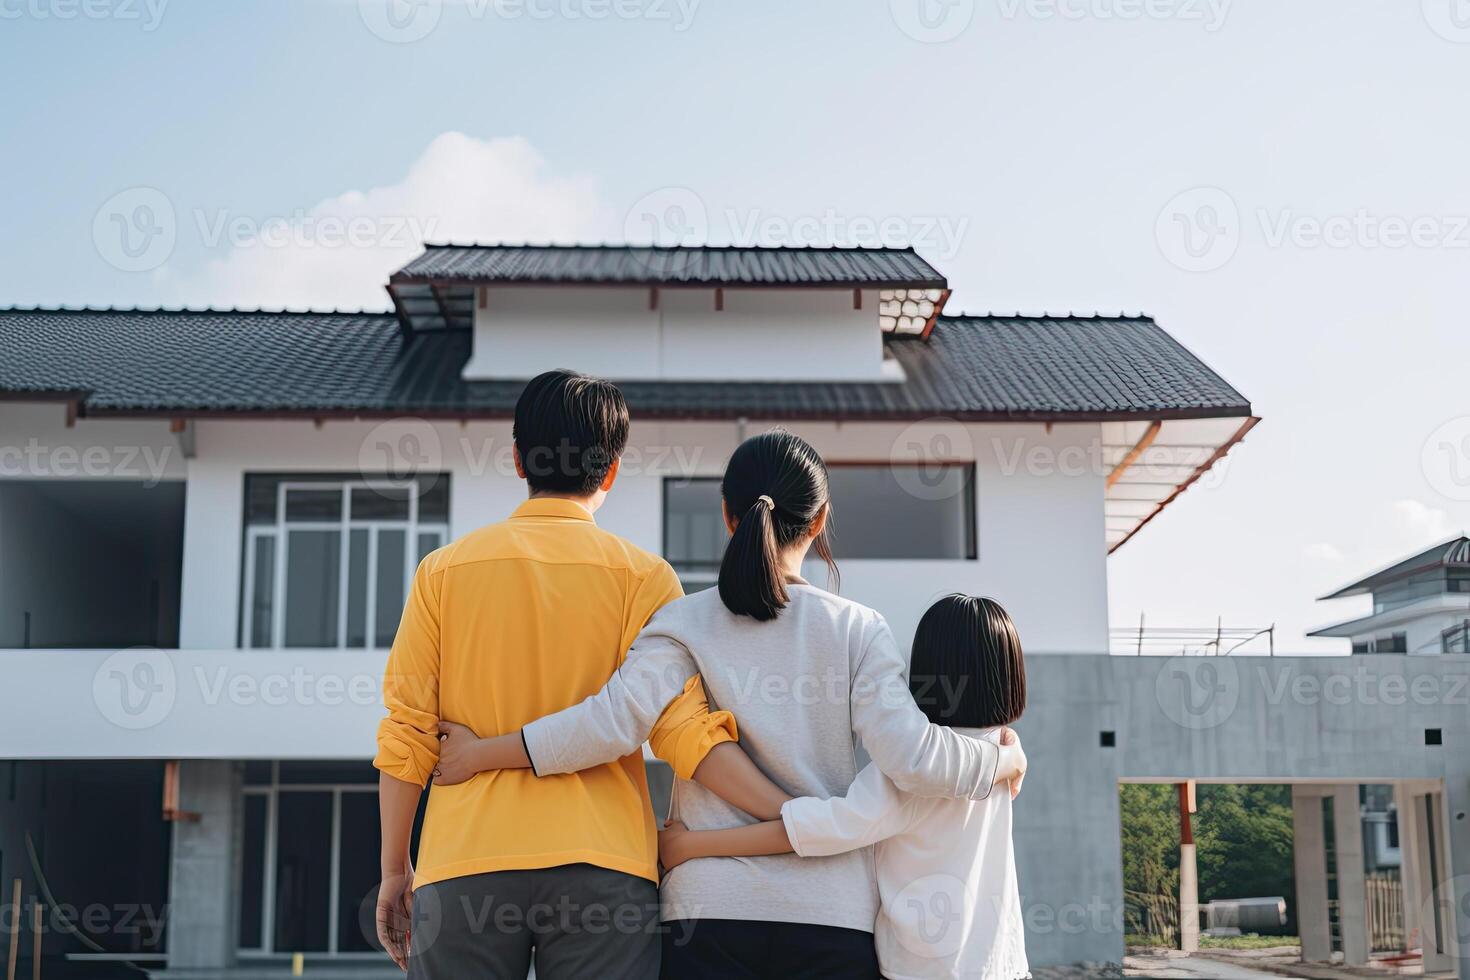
760 335
1424 628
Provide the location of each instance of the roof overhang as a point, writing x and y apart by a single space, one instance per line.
1152 462
1453 550
1429 606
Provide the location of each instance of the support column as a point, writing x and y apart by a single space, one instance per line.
1352 900
1411 875
1188 872
203 928
1309 856
1429 870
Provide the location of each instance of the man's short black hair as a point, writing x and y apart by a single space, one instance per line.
967 670
569 429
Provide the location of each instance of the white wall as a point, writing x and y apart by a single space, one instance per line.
1424 633
1040 543
760 335
1040 531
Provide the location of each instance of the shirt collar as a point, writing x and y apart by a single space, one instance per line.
557 507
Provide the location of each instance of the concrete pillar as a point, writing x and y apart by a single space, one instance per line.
1188 900
1352 901
203 927
1188 872
1309 856
1411 876
1428 868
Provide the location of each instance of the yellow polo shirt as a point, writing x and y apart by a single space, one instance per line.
509 623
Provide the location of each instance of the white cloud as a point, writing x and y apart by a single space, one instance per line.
1421 522
339 252
1322 551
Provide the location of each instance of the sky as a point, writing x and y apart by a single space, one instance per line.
1282 185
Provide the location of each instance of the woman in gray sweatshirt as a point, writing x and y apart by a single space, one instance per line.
807 674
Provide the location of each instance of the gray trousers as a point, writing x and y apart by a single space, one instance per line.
577 920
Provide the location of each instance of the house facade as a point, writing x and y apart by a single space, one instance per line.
1421 605
208 520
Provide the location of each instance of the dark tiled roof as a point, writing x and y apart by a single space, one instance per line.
982 367
701 265
1455 551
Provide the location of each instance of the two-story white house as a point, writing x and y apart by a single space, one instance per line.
208 520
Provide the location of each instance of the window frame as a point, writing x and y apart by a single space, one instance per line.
279 530
709 575
272 791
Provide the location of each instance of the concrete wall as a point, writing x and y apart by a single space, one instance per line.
760 335
1327 720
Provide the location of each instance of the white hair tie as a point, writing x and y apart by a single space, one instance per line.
764 499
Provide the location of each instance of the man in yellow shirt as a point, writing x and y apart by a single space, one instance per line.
507 624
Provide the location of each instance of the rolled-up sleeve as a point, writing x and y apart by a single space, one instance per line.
618 719
408 739
923 758
687 730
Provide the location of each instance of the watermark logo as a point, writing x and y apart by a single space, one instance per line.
935 908
401 448
1445 459
1209 13
148 13
1450 19
668 216
135 688
932 21
1447 911
1199 229
401 21
927 458
135 229
147 463
1198 692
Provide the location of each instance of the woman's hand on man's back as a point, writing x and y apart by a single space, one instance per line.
1011 768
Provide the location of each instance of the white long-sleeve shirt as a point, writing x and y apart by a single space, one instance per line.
800 687
949 903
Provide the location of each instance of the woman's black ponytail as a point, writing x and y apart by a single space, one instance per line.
776 488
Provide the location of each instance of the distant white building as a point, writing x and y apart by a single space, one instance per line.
1421 605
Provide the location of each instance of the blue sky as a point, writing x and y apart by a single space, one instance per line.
1040 157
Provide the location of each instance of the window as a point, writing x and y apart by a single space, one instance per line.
895 512
309 858
1393 643
878 512
328 559
694 530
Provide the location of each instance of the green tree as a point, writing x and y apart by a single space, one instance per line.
1243 841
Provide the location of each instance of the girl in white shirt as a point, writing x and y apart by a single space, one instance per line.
946 869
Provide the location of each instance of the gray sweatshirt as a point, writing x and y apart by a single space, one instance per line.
802 687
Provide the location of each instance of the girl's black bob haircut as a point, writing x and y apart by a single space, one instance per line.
967 670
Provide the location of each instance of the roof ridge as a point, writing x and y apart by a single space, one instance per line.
199 310
703 247
1069 315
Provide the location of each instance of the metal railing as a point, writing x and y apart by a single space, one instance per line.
1384 895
